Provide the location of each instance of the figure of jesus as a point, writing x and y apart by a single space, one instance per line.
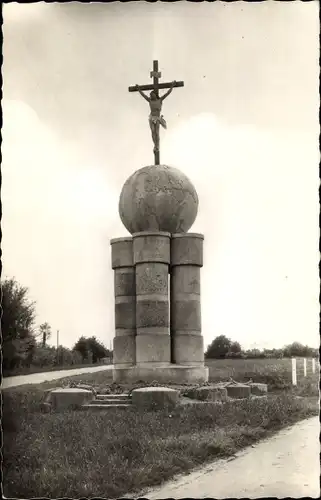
156 118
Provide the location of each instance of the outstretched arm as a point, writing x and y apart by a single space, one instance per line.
168 92
142 93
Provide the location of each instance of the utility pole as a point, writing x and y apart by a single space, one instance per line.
57 347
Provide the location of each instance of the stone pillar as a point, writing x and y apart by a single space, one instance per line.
124 352
186 261
151 258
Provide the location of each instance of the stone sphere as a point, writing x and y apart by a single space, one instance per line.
158 198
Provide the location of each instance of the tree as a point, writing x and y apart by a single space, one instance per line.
45 332
90 349
81 346
296 349
98 350
17 324
235 350
218 348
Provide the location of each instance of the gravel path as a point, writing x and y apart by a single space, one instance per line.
37 378
286 465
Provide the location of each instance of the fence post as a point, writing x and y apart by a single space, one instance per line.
294 381
305 367
313 365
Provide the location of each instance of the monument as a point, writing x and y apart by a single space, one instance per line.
157 269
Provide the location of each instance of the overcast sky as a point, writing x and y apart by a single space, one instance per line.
244 129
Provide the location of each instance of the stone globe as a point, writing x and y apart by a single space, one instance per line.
158 198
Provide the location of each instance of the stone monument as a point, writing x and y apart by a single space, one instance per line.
157 270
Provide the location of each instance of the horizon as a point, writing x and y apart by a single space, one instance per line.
73 134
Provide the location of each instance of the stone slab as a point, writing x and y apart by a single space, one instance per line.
207 393
155 398
69 398
238 391
258 389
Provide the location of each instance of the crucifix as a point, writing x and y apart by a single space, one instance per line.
155 103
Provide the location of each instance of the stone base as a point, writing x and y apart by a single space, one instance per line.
176 374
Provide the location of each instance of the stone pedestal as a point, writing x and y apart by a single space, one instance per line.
125 302
151 252
157 205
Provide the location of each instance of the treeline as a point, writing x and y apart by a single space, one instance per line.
25 347
223 347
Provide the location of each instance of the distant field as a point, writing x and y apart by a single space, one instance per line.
261 370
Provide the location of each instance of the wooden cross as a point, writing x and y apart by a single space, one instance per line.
155 86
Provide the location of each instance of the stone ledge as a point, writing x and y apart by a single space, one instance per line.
171 374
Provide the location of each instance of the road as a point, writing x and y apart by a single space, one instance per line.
37 378
286 465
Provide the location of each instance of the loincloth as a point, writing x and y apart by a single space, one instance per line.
157 120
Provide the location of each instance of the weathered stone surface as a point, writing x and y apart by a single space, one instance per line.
207 393
186 314
152 312
238 391
188 349
258 389
124 350
155 398
125 312
152 277
121 252
187 249
185 310
47 392
69 398
151 246
153 348
185 279
158 198
169 374
124 281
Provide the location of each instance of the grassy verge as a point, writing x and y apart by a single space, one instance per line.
84 454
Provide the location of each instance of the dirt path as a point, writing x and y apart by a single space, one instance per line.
286 465
37 378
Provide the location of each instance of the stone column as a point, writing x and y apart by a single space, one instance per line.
124 353
151 258
186 261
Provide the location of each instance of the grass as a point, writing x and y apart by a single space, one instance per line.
84 454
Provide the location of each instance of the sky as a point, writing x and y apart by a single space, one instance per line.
244 129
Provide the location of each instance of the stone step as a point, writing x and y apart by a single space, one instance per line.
111 401
113 396
96 406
